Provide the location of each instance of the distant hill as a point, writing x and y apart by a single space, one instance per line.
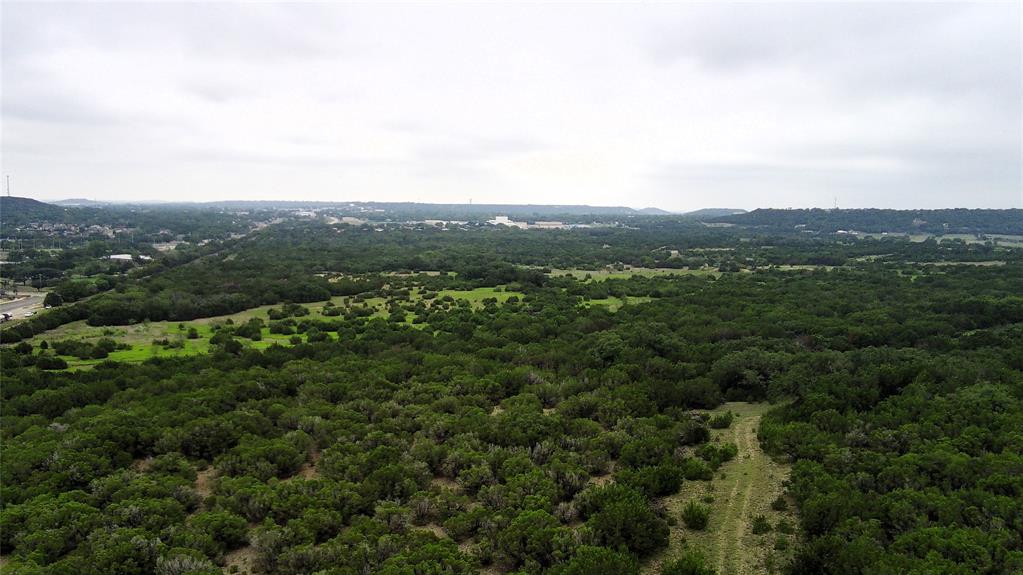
653 212
713 212
15 211
962 221
452 211
79 202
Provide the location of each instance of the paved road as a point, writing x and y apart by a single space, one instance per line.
34 302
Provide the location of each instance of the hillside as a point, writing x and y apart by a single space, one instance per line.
76 202
413 210
714 213
877 221
15 211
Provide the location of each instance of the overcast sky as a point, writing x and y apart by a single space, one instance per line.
678 106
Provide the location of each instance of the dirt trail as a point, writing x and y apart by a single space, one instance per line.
741 489
736 514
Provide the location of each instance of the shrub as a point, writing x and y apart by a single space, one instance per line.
761 525
715 455
621 516
695 516
694 469
689 563
656 481
50 362
722 421
599 561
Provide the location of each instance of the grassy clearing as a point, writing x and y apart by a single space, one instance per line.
141 336
799 267
476 296
606 274
614 303
1001 239
741 490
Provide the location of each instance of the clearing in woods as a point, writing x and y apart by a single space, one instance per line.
741 490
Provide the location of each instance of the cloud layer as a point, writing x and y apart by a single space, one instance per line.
677 106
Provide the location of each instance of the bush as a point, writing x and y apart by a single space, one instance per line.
761 525
722 421
780 504
621 516
599 561
715 455
50 362
695 516
694 469
656 481
689 563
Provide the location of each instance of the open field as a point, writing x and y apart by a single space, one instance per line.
741 490
1001 239
476 296
141 336
614 303
606 274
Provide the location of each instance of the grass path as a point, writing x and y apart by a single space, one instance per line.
741 490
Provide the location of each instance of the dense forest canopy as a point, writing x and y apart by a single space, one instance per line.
413 398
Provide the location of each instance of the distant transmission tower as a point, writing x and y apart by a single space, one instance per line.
8 185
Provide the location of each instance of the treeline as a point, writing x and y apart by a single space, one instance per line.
947 221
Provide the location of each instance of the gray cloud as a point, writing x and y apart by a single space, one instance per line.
679 106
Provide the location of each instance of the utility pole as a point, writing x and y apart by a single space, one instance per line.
8 185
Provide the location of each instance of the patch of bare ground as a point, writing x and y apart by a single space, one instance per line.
308 469
601 480
241 561
446 483
741 490
548 411
204 482
141 464
435 529
498 410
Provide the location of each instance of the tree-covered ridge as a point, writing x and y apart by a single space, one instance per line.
496 428
946 221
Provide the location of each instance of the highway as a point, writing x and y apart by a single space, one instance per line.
18 308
